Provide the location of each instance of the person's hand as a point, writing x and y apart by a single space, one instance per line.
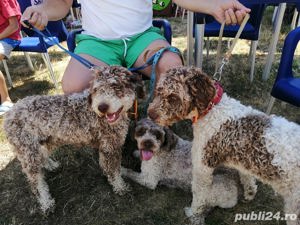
230 11
36 16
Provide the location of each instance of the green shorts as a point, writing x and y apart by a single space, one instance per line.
122 52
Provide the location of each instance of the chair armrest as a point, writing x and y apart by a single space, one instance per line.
165 24
71 39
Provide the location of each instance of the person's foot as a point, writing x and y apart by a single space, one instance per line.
5 107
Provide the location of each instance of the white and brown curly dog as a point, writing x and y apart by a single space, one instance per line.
96 117
166 160
231 134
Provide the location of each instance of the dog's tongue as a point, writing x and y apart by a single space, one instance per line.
111 117
145 155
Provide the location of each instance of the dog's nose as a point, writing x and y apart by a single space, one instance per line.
153 114
147 144
103 107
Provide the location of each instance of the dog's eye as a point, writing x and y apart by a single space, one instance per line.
173 99
157 134
140 131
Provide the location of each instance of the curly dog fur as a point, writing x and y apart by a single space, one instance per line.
230 134
166 160
96 117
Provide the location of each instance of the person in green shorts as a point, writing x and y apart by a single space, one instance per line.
121 33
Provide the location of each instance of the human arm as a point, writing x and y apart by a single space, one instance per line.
230 11
11 28
49 10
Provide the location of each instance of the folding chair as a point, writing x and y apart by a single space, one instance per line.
29 62
36 43
287 86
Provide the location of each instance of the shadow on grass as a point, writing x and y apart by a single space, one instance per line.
29 87
83 196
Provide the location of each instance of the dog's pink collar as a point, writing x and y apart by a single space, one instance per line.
214 101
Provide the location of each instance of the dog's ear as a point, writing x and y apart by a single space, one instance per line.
201 88
171 139
138 82
131 130
89 98
96 73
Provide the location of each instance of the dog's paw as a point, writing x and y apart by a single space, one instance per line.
197 220
51 165
47 207
120 187
122 191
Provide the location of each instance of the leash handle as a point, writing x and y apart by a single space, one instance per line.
218 71
49 37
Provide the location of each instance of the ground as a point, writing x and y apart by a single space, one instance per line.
82 193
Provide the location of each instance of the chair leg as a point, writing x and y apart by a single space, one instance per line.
207 47
46 59
72 14
252 59
274 14
29 62
7 73
270 105
190 40
78 14
176 11
273 42
199 37
183 14
294 20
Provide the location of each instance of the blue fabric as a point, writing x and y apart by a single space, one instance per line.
12 42
287 86
34 44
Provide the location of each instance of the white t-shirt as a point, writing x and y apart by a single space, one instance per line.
115 19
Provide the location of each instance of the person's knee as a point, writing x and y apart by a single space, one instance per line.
2 79
168 61
70 87
73 84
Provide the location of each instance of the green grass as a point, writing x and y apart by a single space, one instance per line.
82 193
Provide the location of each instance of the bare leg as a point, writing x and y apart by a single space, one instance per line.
167 61
3 89
77 77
